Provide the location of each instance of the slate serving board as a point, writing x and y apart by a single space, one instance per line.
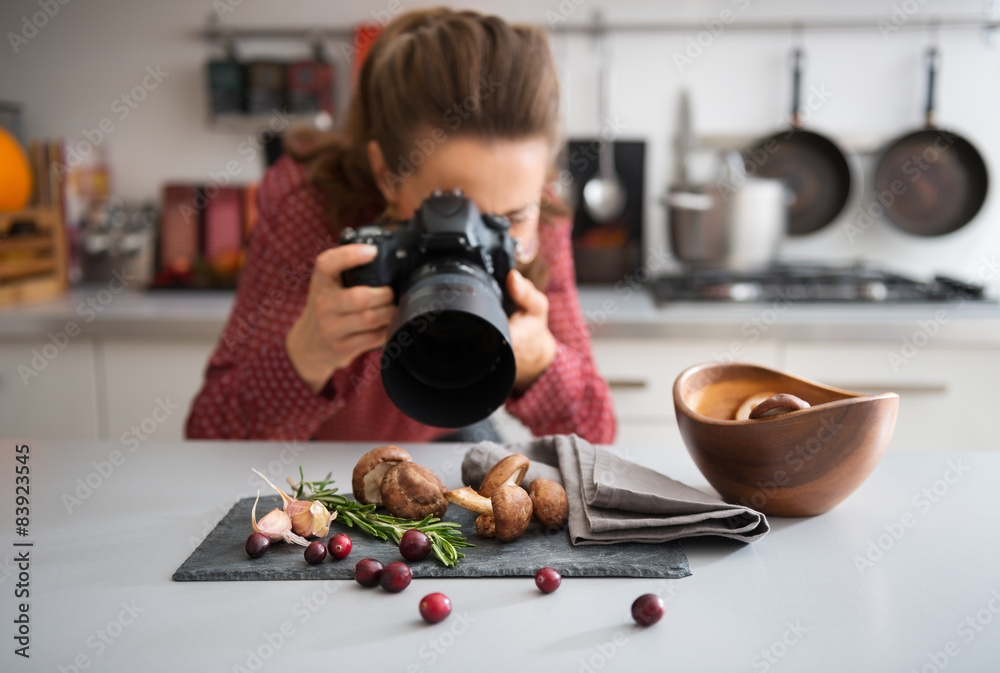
221 556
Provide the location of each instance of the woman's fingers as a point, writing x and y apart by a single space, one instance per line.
526 295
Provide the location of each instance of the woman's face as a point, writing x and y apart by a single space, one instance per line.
501 176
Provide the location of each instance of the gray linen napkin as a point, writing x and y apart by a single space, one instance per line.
615 500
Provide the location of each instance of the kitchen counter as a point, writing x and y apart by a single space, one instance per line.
610 313
901 576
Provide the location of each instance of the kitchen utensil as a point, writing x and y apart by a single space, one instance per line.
604 195
695 212
801 463
931 182
815 169
756 214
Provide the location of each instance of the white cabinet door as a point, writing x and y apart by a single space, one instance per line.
641 372
150 385
947 396
48 388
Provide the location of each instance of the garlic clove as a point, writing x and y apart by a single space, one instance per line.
274 524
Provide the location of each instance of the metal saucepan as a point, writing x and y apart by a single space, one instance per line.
931 182
813 167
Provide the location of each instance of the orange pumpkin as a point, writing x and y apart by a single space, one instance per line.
15 174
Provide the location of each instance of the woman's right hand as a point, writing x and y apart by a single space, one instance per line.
338 324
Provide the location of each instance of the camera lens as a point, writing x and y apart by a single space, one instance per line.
449 362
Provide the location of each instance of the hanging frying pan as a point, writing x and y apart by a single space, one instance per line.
931 181
814 168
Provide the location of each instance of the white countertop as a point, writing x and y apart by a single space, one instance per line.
100 587
609 312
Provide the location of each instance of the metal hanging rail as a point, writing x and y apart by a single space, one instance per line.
882 23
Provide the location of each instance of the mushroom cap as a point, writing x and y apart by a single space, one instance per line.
411 491
368 473
511 512
549 501
509 470
782 403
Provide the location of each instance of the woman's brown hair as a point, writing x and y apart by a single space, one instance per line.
433 72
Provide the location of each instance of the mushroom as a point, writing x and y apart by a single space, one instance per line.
549 502
506 514
411 491
368 473
510 470
743 413
777 405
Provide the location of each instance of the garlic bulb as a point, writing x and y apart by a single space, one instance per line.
308 517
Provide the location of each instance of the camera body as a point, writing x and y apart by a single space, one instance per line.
448 361
447 229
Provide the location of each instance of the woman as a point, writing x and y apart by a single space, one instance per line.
445 100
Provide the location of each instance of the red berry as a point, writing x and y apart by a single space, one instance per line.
395 577
548 580
315 552
257 544
367 572
340 546
435 608
647 609
414 545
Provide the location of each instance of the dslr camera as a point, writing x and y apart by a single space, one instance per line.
448 361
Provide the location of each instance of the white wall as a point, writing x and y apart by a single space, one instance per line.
91 52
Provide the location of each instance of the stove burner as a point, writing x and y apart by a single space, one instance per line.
858 283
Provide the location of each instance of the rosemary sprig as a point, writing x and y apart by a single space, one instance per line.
445 536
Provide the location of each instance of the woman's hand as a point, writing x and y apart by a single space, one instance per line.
338 324
533 343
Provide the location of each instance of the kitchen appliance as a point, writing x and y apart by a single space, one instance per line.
815 169
858 283
604 194
931 182
606 252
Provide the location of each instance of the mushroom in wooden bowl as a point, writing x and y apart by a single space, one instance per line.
780 444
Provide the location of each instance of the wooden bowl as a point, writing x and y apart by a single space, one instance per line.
801 463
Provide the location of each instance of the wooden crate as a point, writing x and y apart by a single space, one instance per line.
32 265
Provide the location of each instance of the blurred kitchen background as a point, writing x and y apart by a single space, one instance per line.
151 107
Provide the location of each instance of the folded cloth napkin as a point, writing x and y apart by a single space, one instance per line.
615 500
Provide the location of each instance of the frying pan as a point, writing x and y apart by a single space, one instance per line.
814 168
931 182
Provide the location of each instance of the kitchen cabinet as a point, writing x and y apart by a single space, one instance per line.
641 374
946 394
48 388
150 384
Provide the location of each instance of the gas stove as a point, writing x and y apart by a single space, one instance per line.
857 283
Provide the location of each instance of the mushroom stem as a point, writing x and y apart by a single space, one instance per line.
467 498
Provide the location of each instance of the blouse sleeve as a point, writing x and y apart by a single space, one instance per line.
570 396
251 389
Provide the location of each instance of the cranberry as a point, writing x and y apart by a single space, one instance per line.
395 577
414 545
315 552
647 609
340 546
257 544
435 608
367 572
548 580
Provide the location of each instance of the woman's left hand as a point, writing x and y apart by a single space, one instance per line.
533 343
